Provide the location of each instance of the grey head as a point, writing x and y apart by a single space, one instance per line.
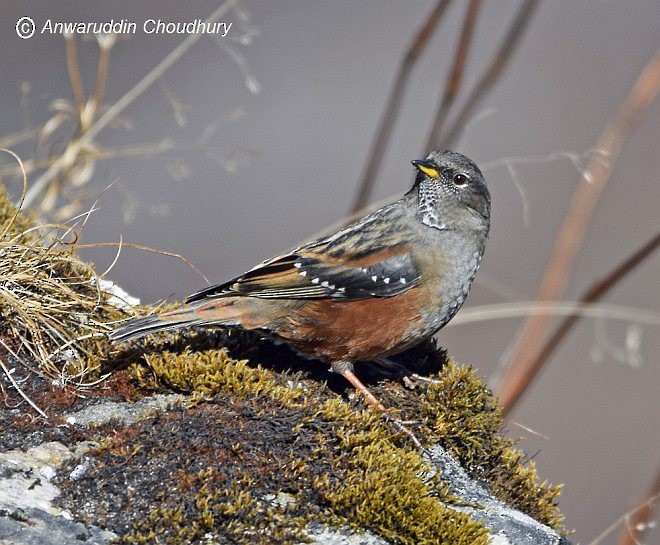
451 192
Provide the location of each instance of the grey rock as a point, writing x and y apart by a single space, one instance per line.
27 476
44 455
124 412
508 526
341 536
32 526
27 516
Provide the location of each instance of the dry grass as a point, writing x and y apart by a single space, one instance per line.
53 314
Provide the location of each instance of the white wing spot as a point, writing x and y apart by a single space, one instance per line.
341 290
364 270
325 284
386 280
315 280
374 278
303 273
402 280
297 265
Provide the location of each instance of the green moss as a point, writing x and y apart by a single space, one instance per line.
393 492
209 372
346 470
467 420
363 475
9 217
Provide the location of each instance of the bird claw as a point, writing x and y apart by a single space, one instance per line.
401 426
414 380
410 380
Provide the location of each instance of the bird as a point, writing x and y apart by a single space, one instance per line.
381 284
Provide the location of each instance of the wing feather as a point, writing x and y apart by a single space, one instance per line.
302 276
342 266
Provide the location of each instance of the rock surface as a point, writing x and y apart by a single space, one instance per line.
29 514
267 449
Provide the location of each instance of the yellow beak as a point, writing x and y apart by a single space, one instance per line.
427 167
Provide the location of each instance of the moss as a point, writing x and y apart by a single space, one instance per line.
10 218
211 503
468 422
395 493
362 474
337 464
214 470
206 373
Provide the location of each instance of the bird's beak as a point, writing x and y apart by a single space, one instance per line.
427 167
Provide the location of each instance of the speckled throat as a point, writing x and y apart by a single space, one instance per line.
428 197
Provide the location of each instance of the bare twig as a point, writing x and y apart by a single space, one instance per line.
493 72
573 229
68 158
637 522
455 79
393 105
134 150
105 46
592 295
16 138
74 71
603 311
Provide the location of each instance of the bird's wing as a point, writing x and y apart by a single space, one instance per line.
313 272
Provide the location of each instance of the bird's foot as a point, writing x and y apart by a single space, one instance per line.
414 380
402 426
410 380
399 425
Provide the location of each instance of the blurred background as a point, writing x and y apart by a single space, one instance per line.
255 141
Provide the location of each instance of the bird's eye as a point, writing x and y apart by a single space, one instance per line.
460 179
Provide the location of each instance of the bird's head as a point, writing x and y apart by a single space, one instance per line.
450 189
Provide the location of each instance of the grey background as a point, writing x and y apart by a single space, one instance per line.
279 165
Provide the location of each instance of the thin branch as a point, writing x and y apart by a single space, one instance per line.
493 72
455 79
638 522
592 295
74 148
572 231
105 46
393 105
74 71
603 311
18 137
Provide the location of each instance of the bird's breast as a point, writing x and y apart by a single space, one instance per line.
449 269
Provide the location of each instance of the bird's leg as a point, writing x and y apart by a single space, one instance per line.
345 369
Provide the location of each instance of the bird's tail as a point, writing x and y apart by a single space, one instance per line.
217 312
